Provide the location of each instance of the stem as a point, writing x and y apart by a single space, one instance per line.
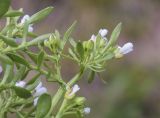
60 112
70 83
61 92
56 99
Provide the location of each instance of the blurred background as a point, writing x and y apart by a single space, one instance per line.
132 87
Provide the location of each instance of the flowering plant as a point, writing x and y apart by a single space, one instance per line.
29 98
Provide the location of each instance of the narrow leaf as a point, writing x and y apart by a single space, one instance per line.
4 6
43 106
40 59
38 39
68 32
80 49
114 36
40 15
21 92
13 13
5 59
9 41
18 59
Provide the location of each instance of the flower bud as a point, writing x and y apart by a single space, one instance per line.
103 32
125 49
80 100
71 92
93 38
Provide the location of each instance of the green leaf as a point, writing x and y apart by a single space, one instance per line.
69 31
21 92
9 41
18 59
43 106
31 84
5 59
33 56
38 40
13 13
7 73
4 6
91 76
40 15
40 59
80 49
20 73
114 36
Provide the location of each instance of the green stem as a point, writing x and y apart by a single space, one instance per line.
70 83
56 99
61 92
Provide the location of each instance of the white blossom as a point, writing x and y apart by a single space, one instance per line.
30 28
21 84
24 19
93 38
103 32
75 89
87 110
38 86
40 91
35 101
126 48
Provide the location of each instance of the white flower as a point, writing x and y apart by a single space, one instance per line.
30 28
24 19
75 89
1 69
21 84
35 101
93 38
40 91
39 86
126 48
103 32
87 110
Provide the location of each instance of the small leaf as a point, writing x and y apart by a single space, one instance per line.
68 32
33 82
13 13
114 36
38 40
33 56
4 6
21 92
80 49
18 59
40 59
43 106
8 72
6 59
40 15
91 76
20 73
9 41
